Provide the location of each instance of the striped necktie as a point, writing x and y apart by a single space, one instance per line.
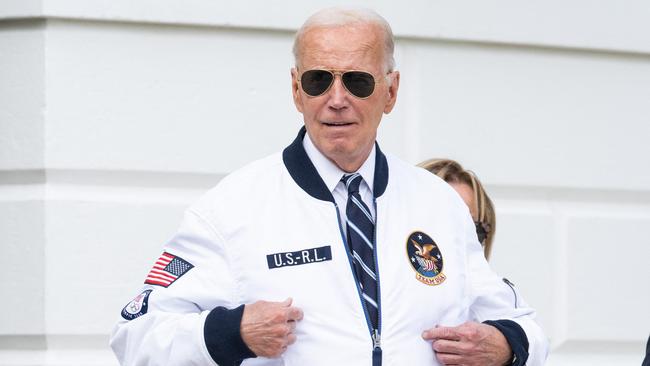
361 234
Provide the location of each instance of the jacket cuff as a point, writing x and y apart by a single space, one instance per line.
223 338
516 338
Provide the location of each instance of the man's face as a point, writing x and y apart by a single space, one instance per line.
342 126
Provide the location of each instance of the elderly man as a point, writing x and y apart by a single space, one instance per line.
331 252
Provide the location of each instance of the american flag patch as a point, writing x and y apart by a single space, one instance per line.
426 264
167 269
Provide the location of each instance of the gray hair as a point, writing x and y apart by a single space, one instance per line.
336 17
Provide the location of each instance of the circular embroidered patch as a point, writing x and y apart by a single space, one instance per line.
137 307
425 258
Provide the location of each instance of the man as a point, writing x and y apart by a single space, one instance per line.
299 258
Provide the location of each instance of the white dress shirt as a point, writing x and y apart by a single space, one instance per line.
332 174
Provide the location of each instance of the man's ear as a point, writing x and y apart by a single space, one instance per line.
392 92
295 89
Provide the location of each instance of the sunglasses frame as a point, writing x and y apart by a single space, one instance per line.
340 73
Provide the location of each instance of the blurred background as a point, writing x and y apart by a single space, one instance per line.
116 115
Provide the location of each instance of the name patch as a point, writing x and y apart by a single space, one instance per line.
305 256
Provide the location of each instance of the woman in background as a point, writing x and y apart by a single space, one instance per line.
471 190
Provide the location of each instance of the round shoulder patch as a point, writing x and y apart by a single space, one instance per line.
425 258
137 307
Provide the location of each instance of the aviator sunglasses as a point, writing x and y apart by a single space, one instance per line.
317 82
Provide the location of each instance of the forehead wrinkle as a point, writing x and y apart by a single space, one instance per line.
342 60
324 45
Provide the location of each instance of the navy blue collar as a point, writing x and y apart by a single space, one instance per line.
305 175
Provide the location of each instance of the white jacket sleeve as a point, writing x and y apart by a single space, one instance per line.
493 299
164 324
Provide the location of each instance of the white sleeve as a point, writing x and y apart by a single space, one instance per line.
492 299
164 325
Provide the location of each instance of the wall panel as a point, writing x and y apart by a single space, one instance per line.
156 98
607 277
537 117
22 94
100 248
115 116
22 262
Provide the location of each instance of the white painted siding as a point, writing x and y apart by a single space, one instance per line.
116 115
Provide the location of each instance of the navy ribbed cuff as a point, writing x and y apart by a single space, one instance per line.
223 338
516 338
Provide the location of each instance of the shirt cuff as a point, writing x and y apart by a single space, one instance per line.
223 338
516 338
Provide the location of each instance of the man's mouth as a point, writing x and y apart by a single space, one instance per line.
337 124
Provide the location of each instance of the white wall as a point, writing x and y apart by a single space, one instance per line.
115 115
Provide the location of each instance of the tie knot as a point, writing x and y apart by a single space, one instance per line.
352 182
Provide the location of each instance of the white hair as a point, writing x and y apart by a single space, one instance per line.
336 17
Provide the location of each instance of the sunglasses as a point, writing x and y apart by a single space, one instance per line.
317 82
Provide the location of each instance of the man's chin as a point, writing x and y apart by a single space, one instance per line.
338 151
347 158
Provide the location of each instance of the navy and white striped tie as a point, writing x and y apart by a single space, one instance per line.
361 234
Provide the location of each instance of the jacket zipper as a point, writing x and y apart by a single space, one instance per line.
376 350
512 287
375 334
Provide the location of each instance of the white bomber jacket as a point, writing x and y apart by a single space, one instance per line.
270 231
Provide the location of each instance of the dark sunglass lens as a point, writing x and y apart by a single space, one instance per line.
316 82
359 83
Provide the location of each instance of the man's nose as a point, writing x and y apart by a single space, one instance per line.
338 95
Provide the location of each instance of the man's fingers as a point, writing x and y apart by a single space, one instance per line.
449 359
267 327
292 325
449 333
426 335
287 302
292 313
445 346
295 314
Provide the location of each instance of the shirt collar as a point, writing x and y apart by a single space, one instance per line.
330 173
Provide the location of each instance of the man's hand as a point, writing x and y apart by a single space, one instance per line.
267 327
471 344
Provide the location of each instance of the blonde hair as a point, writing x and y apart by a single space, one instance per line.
337 17
452 172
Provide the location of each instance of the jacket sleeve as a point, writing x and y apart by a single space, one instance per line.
185 314
495 302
